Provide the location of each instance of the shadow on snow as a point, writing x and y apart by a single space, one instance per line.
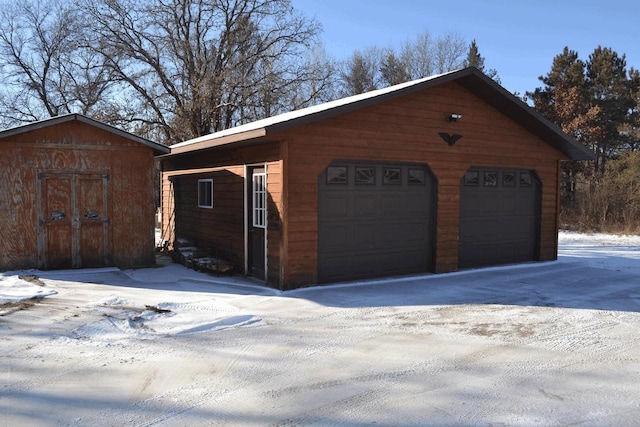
584 278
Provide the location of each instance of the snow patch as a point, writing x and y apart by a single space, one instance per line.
123 320
114 301
225 323
571 238
13 289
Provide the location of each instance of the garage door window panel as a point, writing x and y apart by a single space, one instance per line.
416 177
508 179
472 179
365 176
392 176
337 175
491 179
525 180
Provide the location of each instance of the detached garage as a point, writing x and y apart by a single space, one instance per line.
75 193
433 175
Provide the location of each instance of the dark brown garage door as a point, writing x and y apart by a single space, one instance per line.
374 220
499 211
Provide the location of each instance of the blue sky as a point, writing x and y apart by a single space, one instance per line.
517 38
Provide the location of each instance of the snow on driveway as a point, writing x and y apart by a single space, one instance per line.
552 343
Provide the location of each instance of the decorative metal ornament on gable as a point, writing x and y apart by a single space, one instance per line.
450 139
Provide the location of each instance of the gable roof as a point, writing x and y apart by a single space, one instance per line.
157 148
471 78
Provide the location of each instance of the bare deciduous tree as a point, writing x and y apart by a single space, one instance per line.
422 57
199 66
318 84
418 55
46 67
449 52
172 70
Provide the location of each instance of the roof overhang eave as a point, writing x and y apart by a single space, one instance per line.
501 99
578 155
217 142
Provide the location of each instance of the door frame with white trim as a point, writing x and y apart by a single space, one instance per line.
256 222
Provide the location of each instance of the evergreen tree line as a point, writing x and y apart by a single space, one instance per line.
597 101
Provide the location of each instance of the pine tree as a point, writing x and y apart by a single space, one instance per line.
359 73
615 92
392 70
564 96
564 100
596 102
474 59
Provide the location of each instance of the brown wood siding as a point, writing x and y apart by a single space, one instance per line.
76 147
133 206
406 130
221 229
274 222
18 243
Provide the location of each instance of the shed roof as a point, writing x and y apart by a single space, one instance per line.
471 78
157 148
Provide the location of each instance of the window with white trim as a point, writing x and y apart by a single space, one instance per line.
260 200
205 193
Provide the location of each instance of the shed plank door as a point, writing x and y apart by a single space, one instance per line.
93 221
374 220
257 221
74 223
56 233
499 217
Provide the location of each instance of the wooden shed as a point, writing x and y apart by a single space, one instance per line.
74 193
433 175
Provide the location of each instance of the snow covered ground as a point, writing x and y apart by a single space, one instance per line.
553 343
